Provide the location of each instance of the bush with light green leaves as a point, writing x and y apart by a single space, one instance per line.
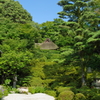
66 95
80 96
3 92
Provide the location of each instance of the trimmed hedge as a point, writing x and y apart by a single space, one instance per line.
51 92
80 96
66 95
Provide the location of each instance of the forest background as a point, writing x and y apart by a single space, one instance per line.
78 40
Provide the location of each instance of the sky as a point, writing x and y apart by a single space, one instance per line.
42 10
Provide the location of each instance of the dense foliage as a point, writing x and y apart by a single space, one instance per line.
78 39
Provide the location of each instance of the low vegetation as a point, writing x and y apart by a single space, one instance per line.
67 73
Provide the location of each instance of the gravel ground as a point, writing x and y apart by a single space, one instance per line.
36 96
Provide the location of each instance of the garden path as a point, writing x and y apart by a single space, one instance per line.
36 96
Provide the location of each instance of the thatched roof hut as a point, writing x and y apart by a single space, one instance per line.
47 44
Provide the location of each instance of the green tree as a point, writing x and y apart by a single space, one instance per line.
14 58
17 36
80 11
82 18
58 32
14 11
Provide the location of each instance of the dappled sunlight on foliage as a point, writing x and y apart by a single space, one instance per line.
62 73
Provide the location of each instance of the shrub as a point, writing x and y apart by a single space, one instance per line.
14 90
3 92
36 81
51 92
89 93
39 89
7 82
66 95
31 90
97 97
61 89
80 96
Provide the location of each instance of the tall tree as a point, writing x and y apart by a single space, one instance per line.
17 36
14 11
80 13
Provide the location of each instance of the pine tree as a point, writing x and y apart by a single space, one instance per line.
81 16
80 11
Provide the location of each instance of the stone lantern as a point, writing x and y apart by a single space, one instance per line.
89 70
14 81
96 83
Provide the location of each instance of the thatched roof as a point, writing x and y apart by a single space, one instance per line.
47 44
